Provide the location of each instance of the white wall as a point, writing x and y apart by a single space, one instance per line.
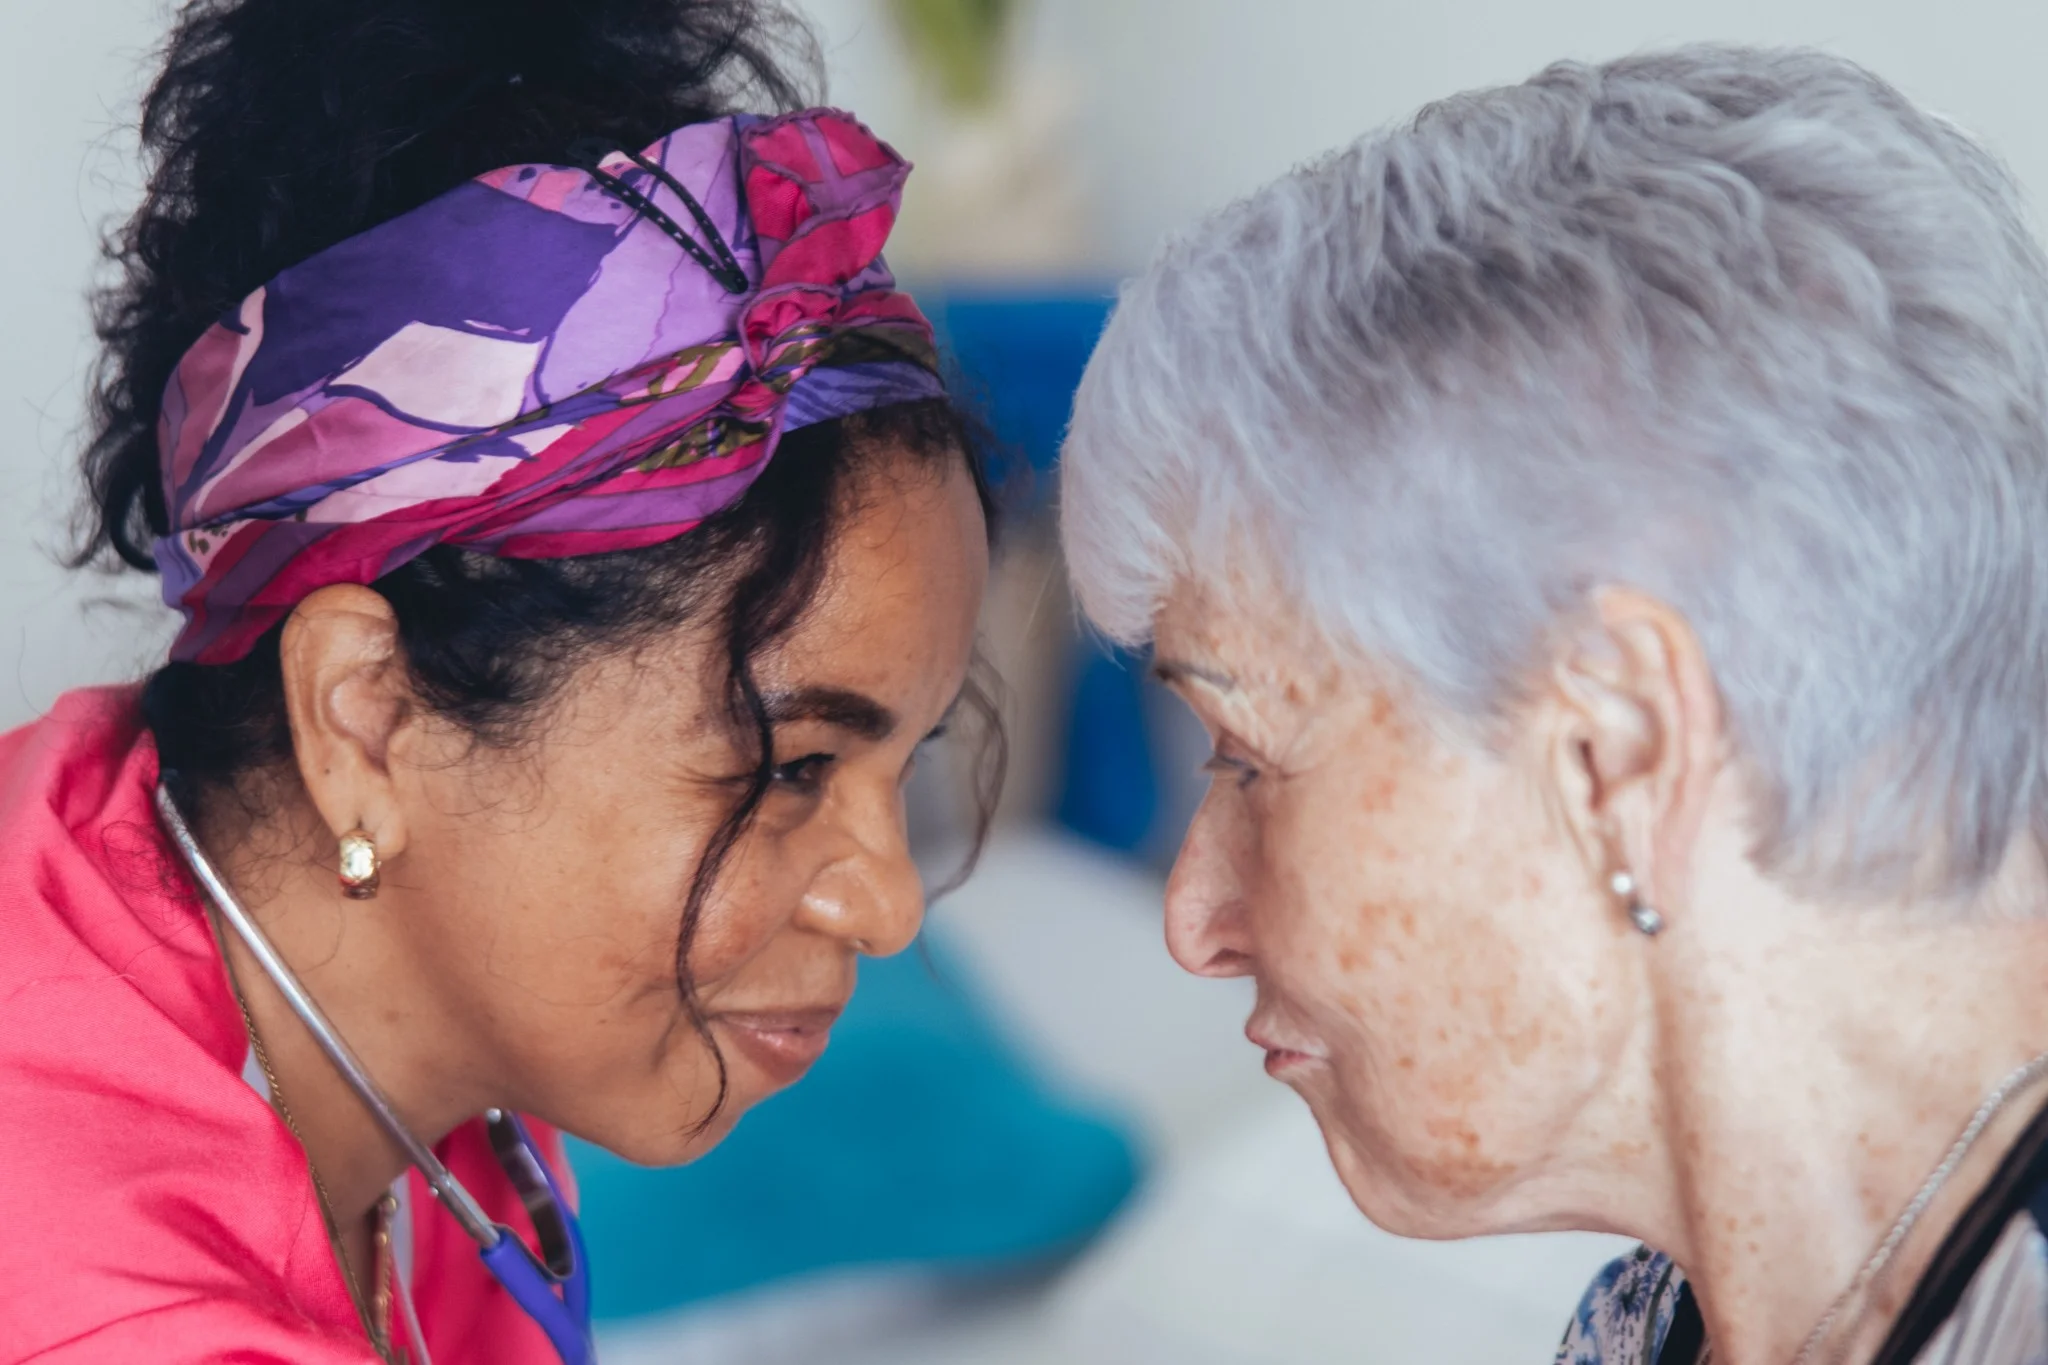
1182 104
1187 103
68 73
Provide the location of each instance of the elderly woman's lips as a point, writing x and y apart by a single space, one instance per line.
781 1044
1282 1063
1280 1058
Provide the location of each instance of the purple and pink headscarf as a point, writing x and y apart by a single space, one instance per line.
530 366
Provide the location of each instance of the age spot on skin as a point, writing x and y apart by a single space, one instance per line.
1522 1044
1379 795
1461 1170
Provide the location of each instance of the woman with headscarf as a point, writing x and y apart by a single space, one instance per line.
1603 526
574 547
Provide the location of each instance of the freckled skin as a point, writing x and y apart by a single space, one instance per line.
1393 891
1446 977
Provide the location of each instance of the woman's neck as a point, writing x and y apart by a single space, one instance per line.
351 957
1814 1067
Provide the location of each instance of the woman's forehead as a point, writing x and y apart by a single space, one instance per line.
1239 639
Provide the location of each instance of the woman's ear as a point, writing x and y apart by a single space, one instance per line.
1637 737
346 693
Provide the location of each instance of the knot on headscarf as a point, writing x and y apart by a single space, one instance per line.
531 366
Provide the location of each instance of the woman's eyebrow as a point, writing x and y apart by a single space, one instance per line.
1176 670
840 707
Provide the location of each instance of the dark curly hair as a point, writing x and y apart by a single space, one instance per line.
280 127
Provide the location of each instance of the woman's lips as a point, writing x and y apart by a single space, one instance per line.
1282 1061
781 1044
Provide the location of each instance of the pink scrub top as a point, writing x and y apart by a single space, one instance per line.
153 1207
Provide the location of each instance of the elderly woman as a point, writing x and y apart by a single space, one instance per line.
575 547
1603 526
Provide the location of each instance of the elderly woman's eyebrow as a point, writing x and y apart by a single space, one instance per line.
1178 670
840 707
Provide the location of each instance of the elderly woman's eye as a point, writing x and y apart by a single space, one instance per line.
1223 765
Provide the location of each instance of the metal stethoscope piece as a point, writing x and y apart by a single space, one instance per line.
554 1289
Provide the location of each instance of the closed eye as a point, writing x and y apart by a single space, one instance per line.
1222 765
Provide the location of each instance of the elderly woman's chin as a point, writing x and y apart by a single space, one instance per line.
1395 1178
1431 1172
1426 1150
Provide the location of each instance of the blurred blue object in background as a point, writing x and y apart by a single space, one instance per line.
1109 784
919 1138
1022 352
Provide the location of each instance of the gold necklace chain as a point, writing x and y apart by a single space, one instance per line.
376 1316
2014 1083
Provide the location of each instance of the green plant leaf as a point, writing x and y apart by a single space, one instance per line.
959 43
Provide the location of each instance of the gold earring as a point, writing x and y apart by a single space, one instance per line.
359 865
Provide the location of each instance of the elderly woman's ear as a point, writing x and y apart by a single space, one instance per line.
1635 746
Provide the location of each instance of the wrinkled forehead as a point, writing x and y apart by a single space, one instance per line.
1240 647
1237 631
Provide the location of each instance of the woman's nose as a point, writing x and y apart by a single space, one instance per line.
1205 907
870 896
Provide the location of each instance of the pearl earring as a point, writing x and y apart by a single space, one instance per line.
1641 913
359 865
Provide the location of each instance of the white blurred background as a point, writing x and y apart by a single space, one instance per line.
1110 123
1160 109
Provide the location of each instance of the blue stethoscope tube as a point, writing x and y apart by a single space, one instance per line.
555 1291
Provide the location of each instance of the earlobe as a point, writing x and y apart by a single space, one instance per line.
1640 728
347 699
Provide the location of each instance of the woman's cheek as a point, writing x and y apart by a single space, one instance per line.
756 897
1339 844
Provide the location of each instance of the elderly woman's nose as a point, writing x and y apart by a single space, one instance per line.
1205 921
872 895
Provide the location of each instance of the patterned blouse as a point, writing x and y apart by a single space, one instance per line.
1983 1300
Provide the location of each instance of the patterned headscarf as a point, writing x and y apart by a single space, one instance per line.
544 361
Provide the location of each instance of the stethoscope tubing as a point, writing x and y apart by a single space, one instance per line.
446 1188
564 1317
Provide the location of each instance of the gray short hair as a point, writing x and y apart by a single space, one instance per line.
1741 328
